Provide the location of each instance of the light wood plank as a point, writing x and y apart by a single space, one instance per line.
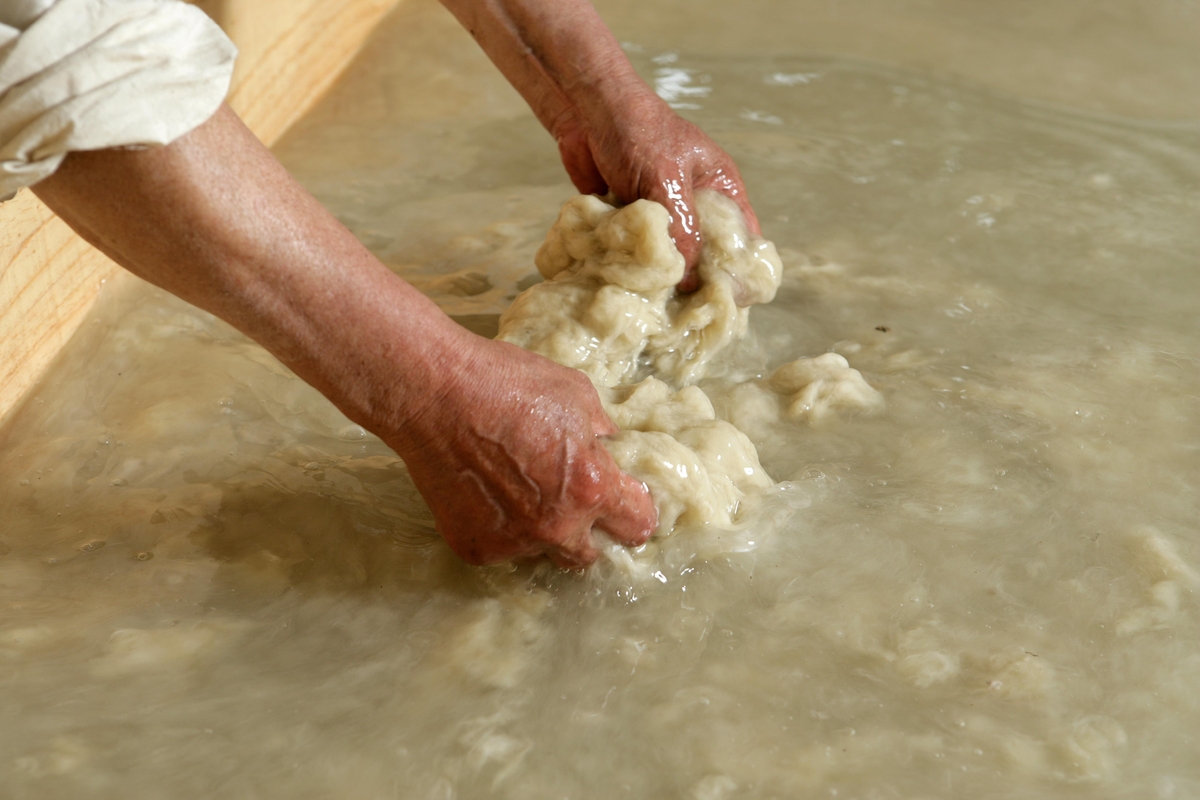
49 284
291 52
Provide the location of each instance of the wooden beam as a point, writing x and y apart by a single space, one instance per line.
290 53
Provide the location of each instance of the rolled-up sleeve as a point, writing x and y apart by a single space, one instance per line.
91 74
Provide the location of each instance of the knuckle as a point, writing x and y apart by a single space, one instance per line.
573 560
581 381
588 486
556 535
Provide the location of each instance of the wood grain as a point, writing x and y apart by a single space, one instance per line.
291 52
282 73
49 281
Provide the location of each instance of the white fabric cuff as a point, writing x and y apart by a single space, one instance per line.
91 74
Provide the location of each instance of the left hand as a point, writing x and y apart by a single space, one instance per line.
613 131
648 151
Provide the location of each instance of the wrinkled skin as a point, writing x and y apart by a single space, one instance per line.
503 444
510 461
507 453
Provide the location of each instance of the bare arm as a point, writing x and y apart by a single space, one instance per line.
502 443
613 132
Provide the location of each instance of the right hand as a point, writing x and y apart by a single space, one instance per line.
508 456
503 444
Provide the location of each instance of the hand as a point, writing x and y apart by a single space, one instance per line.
502 443
509 459
649 152
612 130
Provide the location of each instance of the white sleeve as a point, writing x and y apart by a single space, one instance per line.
91 74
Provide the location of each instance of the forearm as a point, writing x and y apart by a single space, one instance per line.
560 55
214 219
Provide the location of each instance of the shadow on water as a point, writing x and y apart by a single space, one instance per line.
486 325
354 530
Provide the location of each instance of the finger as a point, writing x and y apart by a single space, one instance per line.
685 232
748 212
576 558
601 424
628 515
728 181
731 186
737 193
581 166
675 193
569 545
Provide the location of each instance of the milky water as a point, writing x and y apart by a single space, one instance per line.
212 583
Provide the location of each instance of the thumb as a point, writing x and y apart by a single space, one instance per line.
747 212
628 514
676 195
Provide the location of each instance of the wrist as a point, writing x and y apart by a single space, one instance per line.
611 96
382 352
415 377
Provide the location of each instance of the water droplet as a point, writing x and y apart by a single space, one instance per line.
352 433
